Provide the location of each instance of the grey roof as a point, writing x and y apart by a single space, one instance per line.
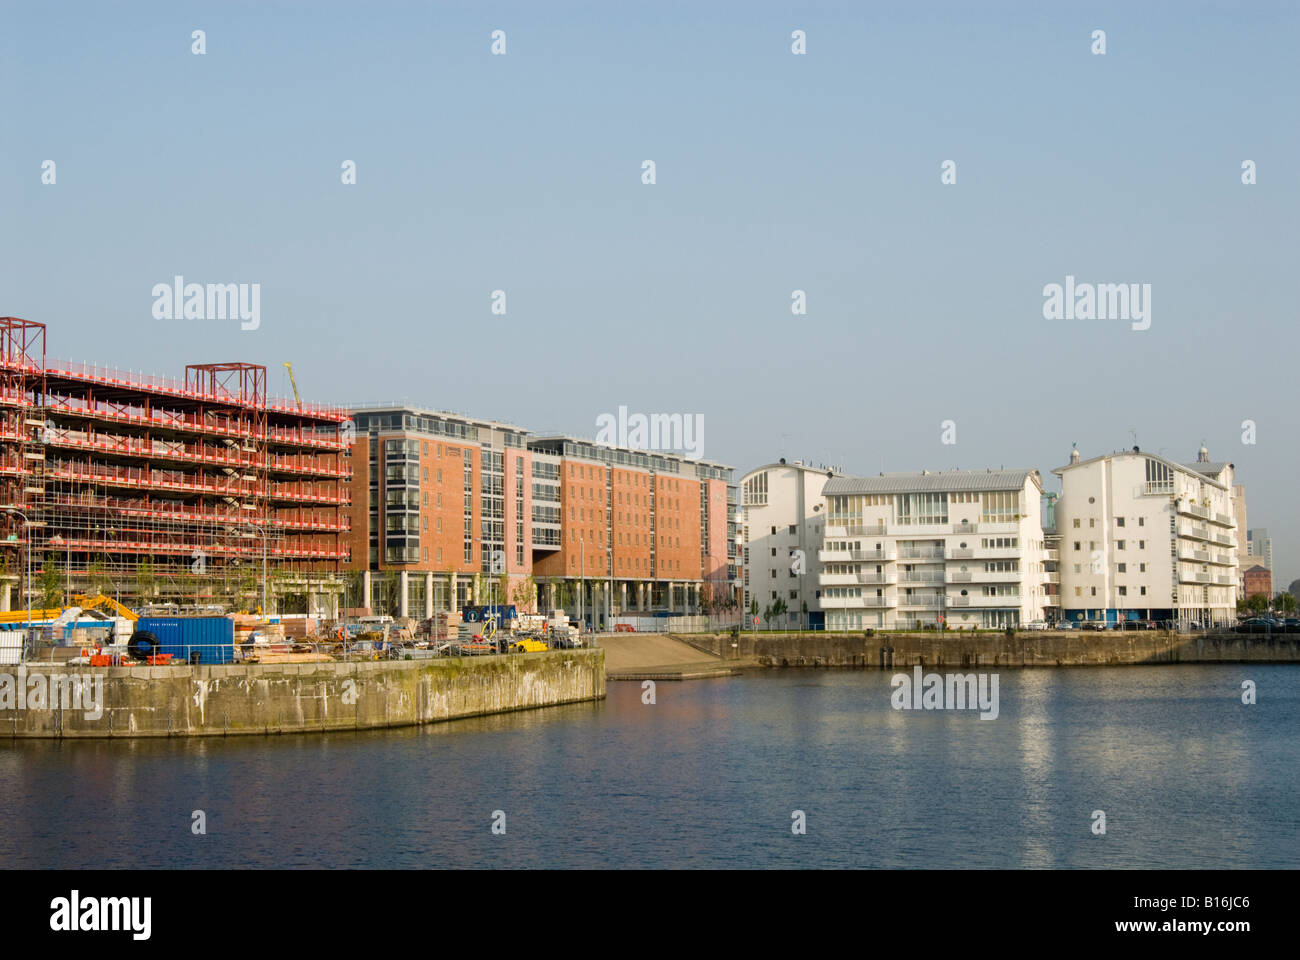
1210 471
941 481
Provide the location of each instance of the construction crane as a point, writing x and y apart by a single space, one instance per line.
293 383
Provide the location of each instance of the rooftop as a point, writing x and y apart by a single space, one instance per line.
925 481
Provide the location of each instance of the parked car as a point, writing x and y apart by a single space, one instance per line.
1066 625
1255 625
1037 625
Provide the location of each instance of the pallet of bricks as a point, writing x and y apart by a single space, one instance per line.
264 642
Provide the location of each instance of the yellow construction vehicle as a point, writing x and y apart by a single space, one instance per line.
103 600
529 645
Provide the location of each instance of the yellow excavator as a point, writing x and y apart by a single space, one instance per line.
100 601
104 601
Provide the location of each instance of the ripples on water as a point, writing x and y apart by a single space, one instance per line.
708 777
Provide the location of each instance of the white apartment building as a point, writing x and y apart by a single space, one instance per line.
958 548
1146 538
782 516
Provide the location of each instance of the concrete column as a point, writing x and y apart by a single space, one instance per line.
4 597
403 605
622 597
428 596
451 593
365 590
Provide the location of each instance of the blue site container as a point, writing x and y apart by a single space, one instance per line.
212 638
502 611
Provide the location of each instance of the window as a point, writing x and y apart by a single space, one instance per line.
1142 568
1076 568
1119 521
1123 591
1093 590
1142 521
1076 545
1144 591
1078 591
792 529
1119 544
1076 523
1092 521
1122 567
1142 544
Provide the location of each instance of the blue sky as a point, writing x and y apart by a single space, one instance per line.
775 172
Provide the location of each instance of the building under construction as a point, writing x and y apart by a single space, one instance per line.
197 492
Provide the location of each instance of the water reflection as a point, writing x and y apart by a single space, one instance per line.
709 776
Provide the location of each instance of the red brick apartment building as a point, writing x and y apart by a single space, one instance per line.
159 490
451 510
1257 580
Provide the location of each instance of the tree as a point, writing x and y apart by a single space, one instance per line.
146 579
1285 602
49 585
779 609
706 598
524 595
1257 603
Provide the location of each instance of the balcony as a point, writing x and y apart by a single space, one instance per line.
1052 555
917 576
1162 488
984 576
851 579
920 553
1192 509
1007 600
855 603
840 556
921 601
1193 531
997 553
1223 519
840 529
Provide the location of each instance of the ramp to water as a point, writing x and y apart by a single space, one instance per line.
654 656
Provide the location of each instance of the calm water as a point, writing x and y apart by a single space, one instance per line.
708 777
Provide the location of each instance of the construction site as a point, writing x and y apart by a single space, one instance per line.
200 494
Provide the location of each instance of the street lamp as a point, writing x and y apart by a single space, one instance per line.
27 528
263 531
